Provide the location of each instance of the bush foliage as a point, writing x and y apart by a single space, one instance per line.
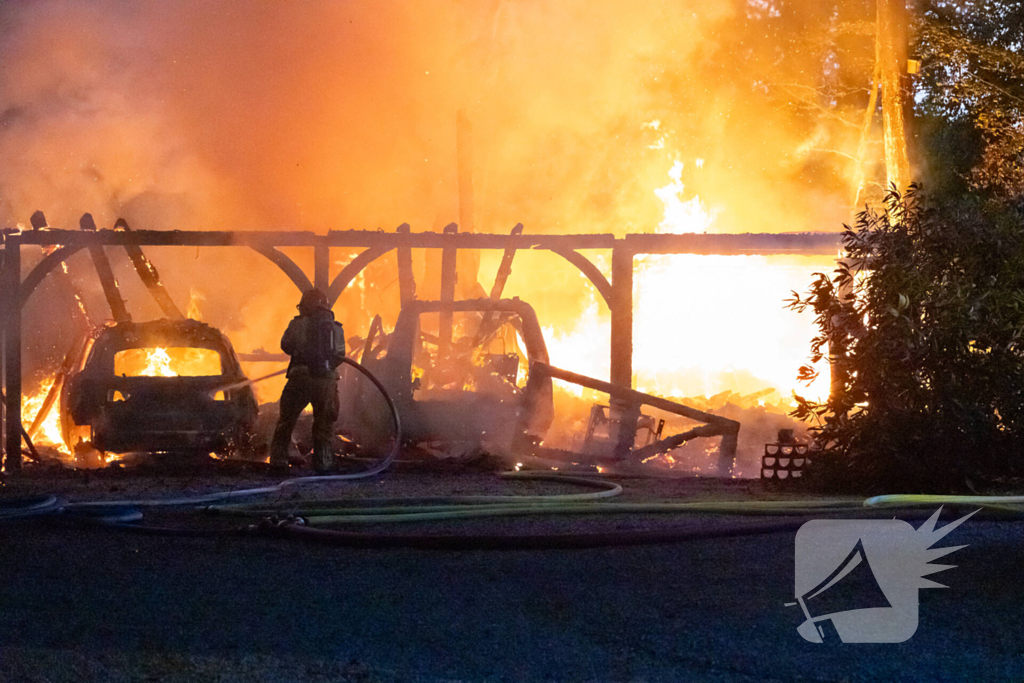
923 325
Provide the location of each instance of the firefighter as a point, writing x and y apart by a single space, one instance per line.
316 344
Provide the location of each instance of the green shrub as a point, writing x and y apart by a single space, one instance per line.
923 325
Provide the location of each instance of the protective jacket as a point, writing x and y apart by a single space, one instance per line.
316 344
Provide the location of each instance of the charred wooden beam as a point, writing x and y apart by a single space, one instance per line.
376 328
675 441
505 268
448 280
749 243
406 279
621 305
30 448
117 306
106 275
149 276
625 415
342 238
6 303
12 353
587 267
631 400
825 243
631 395
178 238
290 268
465 240
322 266
42 269
490 321
727 450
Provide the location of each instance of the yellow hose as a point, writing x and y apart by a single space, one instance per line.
904 500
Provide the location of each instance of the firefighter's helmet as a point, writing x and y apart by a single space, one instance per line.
313 300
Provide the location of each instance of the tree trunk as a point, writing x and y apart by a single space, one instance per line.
892 30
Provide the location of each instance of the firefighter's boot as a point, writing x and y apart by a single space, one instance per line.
323 459
278 459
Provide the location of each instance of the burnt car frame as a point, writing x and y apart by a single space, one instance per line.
457 414
145 413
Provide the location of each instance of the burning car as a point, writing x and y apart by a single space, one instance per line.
472 388
159 386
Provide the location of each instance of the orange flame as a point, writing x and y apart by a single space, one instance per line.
49 432
167 362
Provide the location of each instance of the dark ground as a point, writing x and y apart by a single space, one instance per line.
87 604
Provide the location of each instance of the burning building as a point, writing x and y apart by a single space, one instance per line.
650 183
174 385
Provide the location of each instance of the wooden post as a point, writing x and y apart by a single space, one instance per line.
621 370
4 313
448 279
624 414
12 353
106 276
322 265
406 279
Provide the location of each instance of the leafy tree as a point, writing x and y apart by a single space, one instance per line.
924 322
971 95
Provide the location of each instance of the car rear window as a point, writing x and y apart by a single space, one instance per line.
174 361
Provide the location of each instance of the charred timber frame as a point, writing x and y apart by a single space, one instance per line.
629 402
618 293
449 275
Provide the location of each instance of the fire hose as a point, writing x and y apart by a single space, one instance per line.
377 468
298 528
119 516
291 520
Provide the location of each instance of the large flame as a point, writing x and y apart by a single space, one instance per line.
702 325
167 362
49 432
